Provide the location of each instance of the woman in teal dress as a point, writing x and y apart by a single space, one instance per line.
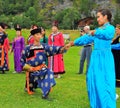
101 72
44 38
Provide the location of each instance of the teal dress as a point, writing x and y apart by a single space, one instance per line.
101 72
44 41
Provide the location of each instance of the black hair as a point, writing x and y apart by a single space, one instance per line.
44 40
2 25
17 27
106 12
34 31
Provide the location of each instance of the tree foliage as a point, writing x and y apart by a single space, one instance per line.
67 18
44 12
117 17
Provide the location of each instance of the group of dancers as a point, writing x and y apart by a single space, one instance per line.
43 57
100 77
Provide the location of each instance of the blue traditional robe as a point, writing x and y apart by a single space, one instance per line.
101 72
35 56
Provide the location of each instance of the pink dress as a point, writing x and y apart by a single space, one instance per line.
56 63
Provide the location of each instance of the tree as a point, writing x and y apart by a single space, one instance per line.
67 18
6 7
26 22
117 17
4 19
31 13
70 17
37 5
17 20
84 6
1 6
28 3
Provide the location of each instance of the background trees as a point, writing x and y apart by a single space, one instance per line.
44 12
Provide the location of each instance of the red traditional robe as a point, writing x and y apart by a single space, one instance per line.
7 48
4 47
30 40
56 63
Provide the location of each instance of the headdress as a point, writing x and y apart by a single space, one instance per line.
34 31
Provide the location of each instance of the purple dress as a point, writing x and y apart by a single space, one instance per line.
17 47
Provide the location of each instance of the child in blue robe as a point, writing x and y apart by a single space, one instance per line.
33 60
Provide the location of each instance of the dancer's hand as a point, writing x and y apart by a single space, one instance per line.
11 51
67 46
92 32
28 68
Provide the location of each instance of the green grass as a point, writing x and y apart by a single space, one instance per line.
69 92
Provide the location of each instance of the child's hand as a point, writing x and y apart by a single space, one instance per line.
67 46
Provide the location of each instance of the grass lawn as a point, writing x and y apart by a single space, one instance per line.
69 92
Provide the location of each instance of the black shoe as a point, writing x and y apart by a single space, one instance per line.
46 98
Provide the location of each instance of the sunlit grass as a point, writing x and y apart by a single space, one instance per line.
69 92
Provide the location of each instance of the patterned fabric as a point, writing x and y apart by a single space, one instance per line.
4 47
101 71
35 56
44 40
1 55
3 60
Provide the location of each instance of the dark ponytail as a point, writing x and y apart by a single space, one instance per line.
106 12
44 40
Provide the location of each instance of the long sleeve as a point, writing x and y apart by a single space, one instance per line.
23 57
106 32
61 39
83 40
22 43
52 50
49 40
30 40
13 45
7 48
6 44
116 46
